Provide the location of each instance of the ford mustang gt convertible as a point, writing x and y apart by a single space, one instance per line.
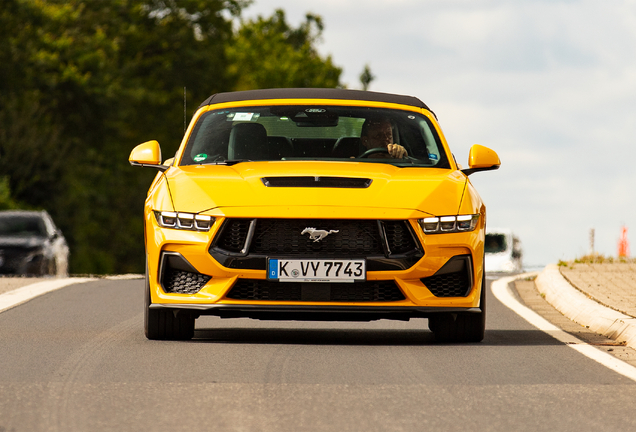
314 204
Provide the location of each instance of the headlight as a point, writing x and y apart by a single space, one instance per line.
449 224
184 221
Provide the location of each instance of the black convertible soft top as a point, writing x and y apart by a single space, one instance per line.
313 93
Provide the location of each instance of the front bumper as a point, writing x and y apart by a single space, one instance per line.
213 297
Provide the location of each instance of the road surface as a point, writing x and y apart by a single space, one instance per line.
76 359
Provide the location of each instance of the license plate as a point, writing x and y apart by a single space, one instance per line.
316 270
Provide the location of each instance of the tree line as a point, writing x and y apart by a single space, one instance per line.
83 81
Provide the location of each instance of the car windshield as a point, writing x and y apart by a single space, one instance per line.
495 243
18 225
313 132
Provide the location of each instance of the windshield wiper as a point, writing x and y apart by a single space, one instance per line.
231 162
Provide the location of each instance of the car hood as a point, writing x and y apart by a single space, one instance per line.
21 242
431 191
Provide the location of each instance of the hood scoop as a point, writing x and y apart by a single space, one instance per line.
317 182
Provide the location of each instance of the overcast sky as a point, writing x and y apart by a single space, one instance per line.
550 85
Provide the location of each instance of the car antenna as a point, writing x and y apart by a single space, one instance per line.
184 109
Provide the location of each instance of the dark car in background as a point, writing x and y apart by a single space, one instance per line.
31 244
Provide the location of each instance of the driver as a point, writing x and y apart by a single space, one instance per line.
377 133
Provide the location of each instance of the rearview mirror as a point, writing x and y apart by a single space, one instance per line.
481 158
147 154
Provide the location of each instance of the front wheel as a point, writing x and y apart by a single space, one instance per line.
166 324
462 326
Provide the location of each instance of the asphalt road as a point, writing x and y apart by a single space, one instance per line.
77 360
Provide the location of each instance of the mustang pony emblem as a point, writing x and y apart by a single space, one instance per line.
317 235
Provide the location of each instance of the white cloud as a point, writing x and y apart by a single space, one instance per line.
550 85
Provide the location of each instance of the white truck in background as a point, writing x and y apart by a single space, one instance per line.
503 251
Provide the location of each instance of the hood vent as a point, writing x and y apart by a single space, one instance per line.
317 182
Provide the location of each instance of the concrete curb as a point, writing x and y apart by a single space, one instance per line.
581 309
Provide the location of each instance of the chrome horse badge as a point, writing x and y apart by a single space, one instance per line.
317 235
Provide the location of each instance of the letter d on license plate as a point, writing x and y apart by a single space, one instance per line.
316 270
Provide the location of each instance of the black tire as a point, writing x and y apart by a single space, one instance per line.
461 327
166 324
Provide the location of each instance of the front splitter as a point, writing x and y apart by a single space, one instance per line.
314 312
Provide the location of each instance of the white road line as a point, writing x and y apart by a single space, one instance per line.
21 295
501 290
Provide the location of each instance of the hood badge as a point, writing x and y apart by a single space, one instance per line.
317 235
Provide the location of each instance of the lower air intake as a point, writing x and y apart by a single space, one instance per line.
369 291
182 282
454 279
179 276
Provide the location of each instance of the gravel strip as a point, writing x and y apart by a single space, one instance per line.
10 283
612 285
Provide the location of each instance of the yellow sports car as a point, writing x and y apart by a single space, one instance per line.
314 204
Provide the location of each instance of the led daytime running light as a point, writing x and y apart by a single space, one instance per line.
184 221
449 224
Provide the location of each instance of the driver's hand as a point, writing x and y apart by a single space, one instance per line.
397 151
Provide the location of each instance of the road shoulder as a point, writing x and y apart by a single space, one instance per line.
583 308
530 296
8 283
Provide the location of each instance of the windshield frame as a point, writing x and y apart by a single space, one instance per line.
446 161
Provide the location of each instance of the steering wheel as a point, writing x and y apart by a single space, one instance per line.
375 150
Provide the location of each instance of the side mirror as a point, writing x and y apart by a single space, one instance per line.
147 154
481 158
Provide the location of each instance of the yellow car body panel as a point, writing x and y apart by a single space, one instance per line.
210 187
230 201
409 193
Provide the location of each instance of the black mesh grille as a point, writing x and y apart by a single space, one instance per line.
234 234
399 237
386 245
254 289
183 282
283 237
449 285
369 291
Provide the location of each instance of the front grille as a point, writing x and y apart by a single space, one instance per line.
234 234
247 243
14 260
283 237
368 291
399 237
454 279
183 282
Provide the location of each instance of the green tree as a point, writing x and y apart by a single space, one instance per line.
366 77
83 81
268 52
